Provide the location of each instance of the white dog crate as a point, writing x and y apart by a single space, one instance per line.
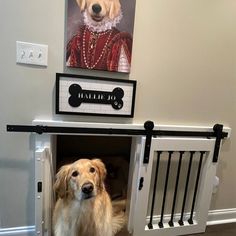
170 170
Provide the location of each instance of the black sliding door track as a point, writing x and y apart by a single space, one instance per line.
147 131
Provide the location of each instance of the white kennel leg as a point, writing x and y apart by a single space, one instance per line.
39 192
43 186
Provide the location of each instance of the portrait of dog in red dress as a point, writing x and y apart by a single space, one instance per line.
99 34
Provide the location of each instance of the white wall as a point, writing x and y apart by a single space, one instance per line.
184 60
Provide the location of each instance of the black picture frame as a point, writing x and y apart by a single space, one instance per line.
119 102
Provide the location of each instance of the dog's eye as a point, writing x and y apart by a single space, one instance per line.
92 170
75 173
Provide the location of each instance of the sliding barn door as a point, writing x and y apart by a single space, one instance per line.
173 191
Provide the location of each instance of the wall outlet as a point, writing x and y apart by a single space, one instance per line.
31 53
216 183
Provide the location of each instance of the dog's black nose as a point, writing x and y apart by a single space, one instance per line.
96 8
87 188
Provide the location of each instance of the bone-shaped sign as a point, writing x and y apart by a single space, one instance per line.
78 96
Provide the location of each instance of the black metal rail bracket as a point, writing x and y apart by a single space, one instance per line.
148 125
218 129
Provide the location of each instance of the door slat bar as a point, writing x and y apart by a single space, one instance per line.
186 187
165 190
150 225
176 189
190 221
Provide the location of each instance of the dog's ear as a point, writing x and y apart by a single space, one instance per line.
114 9
61 183
101 169
82 4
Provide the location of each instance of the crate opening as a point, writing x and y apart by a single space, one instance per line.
113 151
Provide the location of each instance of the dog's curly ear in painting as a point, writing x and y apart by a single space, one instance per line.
81 4
83 206
98 43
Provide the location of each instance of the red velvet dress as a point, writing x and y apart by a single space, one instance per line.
99 51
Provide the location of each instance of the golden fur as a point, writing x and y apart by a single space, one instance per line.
84 207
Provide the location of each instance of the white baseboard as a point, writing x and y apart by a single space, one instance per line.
18 231
223 216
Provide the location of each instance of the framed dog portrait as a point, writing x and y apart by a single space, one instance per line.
87 95
100 34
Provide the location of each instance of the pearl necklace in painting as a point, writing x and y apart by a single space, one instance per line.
103 50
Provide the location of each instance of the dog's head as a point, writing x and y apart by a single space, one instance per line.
83 179
100 9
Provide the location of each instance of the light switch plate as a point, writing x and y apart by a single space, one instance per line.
31 53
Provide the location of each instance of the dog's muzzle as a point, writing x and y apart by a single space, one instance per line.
96 15
87 190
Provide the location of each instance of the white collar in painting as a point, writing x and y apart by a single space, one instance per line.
104 25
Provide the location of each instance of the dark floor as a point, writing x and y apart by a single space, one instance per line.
219 230
216 230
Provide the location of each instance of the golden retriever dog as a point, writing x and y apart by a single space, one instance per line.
84 207
98 44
